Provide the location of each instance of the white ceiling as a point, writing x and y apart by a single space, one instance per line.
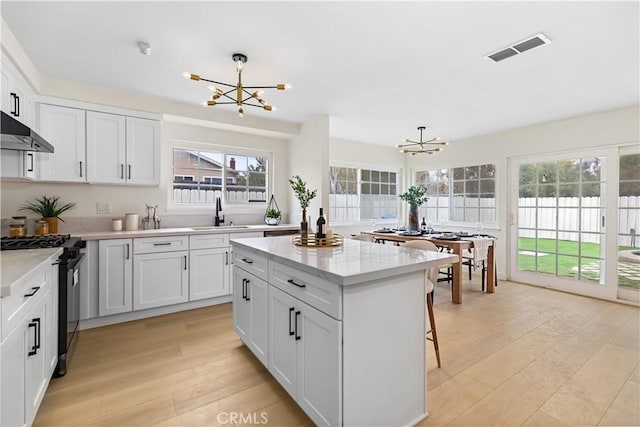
379 69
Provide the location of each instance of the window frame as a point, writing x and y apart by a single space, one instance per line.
226 151
359 167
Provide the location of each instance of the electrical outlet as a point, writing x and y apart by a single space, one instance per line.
103 207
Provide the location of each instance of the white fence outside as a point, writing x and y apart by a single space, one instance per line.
575 215
209 196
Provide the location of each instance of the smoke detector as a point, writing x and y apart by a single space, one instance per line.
519 47
145 48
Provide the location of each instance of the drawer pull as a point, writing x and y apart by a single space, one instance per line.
38 332
290 312
296 324
244 289
162 244
297 284
33 291
34 349
248 283
247 260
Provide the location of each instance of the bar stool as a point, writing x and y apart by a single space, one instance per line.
430 280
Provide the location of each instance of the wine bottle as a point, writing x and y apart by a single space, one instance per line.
423 226
321 226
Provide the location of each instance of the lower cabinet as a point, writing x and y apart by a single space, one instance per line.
28 354
115 279
209 273
251 312
305 348
160 279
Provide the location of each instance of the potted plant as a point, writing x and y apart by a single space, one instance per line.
50 209
414 196
272 217
304 196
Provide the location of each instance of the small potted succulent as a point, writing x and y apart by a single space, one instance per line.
272 217
50 209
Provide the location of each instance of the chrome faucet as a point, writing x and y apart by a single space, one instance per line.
217 220
152 219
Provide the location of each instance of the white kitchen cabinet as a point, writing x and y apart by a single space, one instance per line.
29 330
251 312
209 273
143 151
17 95
19 165
305 348
115 276
106 148
122 149
64 128
160 279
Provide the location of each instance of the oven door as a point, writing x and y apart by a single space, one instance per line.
68 310
73 298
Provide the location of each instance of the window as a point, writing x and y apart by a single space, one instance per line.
465 194
201 176
362 194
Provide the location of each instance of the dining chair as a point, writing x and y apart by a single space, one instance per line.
363 237
430 280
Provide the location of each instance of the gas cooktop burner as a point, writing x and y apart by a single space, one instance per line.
34 242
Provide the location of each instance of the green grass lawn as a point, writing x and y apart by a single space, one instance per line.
567 257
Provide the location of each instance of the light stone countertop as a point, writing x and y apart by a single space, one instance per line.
17 264
353 262
103 235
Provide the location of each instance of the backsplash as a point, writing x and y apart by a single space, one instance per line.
103 223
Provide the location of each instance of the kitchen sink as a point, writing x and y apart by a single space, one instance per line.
220 227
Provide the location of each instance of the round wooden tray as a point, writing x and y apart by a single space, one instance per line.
313 242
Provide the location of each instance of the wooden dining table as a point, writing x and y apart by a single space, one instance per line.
457 246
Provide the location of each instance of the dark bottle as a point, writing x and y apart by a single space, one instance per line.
423 226
321 226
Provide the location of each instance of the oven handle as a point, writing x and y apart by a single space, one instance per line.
72 263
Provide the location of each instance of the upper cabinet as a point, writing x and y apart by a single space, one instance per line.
64 128
17 95
101 148
122 149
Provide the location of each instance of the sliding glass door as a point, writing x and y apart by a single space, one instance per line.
560 205
628 245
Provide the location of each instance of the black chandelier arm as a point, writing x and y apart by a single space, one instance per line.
227 96
226 102
252 105
218 83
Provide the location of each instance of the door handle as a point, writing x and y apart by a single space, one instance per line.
37 320
127 251
129 167
18 106
14 112
121 171
244 289
30 168
81 169
33 350
297 284
185 262
296 325
248 283
290 312
226 258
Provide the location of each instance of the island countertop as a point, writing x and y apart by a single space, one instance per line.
352 263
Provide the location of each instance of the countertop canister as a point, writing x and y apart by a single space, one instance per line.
116 224
131 221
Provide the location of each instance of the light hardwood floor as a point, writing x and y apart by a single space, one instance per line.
522 356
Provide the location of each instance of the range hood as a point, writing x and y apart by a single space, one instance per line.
18 136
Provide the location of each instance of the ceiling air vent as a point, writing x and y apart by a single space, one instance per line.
522 46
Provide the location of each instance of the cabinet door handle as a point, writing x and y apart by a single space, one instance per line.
33 291
17 106
185 262
37 320
248 283
80 169
121 171
297 284
127 251
296 325
244 289
247 260
290 313
14 112
226 258
30 168
129 167
33 350
162 244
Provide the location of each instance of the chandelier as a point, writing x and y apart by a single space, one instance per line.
418 147
237 94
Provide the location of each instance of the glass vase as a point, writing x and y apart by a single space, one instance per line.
414 225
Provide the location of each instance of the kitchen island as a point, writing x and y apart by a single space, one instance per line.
342 329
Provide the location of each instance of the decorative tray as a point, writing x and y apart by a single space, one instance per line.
312 242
